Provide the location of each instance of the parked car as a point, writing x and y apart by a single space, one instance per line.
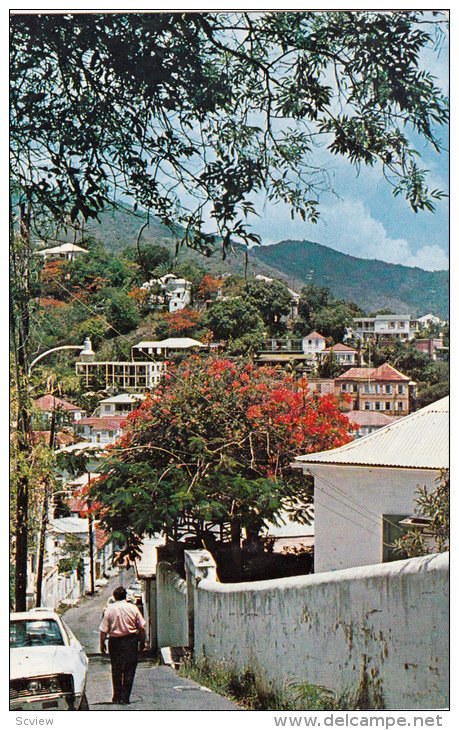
134 592
48 664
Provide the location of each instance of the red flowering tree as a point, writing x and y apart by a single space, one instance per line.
182 322
213 446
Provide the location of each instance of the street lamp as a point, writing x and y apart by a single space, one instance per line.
86 352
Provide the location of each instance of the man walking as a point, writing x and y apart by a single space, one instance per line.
124 625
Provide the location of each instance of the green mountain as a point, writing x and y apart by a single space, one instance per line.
372 284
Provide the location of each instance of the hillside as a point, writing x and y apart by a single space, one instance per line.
372 284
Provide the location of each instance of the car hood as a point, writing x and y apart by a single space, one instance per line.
44 660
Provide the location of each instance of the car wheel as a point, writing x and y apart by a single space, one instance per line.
84 704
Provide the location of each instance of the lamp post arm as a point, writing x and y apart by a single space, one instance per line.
54 349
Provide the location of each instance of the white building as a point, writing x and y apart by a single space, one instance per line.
99 430
363 490
68 251
395 326
314 343
342 355
174 291
164 348
137 376
119 405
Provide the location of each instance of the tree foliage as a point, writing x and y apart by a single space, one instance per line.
434 506
229 319
132 103
273 301
213 446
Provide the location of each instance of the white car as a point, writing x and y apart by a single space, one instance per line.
48 664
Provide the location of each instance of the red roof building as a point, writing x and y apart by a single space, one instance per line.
383 389
50 403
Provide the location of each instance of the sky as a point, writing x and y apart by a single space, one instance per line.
364 219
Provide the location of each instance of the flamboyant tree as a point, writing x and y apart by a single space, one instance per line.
213 446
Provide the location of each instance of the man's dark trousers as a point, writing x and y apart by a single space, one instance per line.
123 652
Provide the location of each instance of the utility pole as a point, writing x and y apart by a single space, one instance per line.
44 518
20 293
91 541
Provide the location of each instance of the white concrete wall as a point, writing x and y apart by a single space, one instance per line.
171 607
319 628
348 506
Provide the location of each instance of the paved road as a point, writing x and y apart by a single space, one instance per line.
155 687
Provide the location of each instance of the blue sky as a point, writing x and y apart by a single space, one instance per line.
364 219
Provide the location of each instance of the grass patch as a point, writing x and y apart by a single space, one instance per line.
252 692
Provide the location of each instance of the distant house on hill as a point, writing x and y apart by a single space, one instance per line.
369 421
386 327
343 355
101 430
314 343
68 412
172 290
365 489
68 251
376 389
119 405
164 348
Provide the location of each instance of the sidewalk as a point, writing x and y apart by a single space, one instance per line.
155 688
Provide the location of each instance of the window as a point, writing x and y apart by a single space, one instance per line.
378 405
355 388
391 531
343 387
367 405
401 325
401 389
107 409
401 406
388 389
35 633
366 388
391 325
388 405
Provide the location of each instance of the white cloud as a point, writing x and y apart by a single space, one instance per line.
348 226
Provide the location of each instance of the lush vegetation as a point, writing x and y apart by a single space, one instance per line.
213 447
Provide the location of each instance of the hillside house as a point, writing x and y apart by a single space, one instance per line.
369 421
433 347
365 489
375 389
164 348
173 291
65 251
123 375
67 412
314 343
343 355
386 327
99 430
119 405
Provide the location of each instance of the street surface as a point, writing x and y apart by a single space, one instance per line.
155 687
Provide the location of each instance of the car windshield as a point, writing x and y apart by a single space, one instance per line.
34 632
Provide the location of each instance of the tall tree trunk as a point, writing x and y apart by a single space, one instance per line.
44 519
20 314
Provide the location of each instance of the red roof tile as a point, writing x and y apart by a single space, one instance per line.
49 402
101 538
383 372
339 347
315 335
370 418
111 423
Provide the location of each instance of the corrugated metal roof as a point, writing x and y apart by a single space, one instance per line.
420 441
171 342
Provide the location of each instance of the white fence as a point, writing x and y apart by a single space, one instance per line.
171 607
387 623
